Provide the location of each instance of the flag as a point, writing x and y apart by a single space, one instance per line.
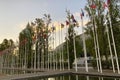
67 23
62 25
45 35
93 6
74 21
108 2
105 5
53 28
82 14
72 17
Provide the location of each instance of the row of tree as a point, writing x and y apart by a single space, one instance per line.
34 44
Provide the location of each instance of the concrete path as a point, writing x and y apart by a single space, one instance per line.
52 73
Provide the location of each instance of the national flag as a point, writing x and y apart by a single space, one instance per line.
105 5
45 35
74 20
75 23
67 23
82 14
108 2
53 28
72 17
93 6
62 25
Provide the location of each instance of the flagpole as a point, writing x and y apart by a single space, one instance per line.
84 47
114 46
97 43
48 57
113 66
75 52
25 55
1 60
56 50
67 49
96 51
35 51
31 60
53 49
48 60
96 54
62 49
59 49
38 60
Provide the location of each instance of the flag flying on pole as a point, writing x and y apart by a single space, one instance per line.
67 23
62 25
74 21
82 14
45 35
108 2
105 5
72 17
53 28
93 6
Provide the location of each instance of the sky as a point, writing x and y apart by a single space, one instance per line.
15 14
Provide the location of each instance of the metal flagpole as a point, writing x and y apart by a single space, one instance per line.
1 56
35 52
62 49
59 50
56 50
75 52
96 49
98 66
50 56
25 55
48 59
113 66
97 44
84 47
67 49
114 46
43 60
38 60
24 66
53 50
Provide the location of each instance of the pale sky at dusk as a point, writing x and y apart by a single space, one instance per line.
15 14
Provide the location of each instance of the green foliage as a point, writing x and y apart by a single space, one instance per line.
101 30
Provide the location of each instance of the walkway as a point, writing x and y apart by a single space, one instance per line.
106 73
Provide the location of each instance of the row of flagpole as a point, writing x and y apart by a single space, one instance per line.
52 55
